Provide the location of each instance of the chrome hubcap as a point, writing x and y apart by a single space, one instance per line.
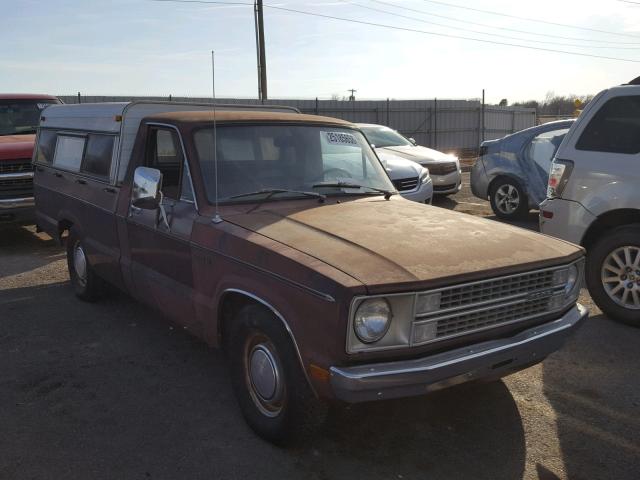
507 199
621 276
80 264
264 376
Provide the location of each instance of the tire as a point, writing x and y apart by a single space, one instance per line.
86 284
508 199
280 411
601 263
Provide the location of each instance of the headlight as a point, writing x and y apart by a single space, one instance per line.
372 320
571 279
424 175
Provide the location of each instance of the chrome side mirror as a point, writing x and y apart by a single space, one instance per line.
413 141
147 185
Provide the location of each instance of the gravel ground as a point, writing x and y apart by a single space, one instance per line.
111 390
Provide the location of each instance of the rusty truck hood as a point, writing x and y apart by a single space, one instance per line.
14 147
399 244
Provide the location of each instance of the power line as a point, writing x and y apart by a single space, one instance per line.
405 29
526 32
487 33
531 19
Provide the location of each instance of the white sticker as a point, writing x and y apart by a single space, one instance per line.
341 138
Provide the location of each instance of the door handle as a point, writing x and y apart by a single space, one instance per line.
81 181
58 174
109 190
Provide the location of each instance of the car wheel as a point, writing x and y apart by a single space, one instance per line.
613 274
508 200
86 284
272 390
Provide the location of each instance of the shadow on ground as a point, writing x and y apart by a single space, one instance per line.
22 250
597 404
109 390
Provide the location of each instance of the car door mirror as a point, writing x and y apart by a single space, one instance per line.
147 186
413 141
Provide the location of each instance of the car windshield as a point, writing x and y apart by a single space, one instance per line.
21 116
385 137
257 159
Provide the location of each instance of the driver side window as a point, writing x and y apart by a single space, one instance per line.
164 152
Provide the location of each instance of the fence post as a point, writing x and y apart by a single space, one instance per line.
79 100
170 98
435 123
513 121
377 114
317 109
387 111
483 112
479 125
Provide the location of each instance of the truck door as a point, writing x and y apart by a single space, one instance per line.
160 254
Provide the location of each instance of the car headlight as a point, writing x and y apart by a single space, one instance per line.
424 175
372 320
570 279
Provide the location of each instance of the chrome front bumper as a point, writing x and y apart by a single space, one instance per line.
16 203
494 358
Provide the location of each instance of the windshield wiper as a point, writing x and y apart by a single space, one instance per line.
270 192
387 193
273 191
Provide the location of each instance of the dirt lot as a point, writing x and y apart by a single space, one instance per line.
110 390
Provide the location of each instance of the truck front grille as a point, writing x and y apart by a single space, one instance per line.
16 178
476 306
16 166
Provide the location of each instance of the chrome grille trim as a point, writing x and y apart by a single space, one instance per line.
406 184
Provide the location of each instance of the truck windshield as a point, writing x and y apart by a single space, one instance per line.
385 137
296 158
21 116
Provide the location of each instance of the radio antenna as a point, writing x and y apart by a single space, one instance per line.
216 218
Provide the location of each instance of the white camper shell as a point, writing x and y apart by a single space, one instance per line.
122 119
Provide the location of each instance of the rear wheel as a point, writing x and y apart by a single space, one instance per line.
273 393
86 284
508 200
613 274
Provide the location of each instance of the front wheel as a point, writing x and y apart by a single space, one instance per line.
272 390
613 274
508 200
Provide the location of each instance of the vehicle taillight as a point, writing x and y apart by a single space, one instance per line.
558 177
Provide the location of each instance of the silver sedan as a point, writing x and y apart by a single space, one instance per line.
444 169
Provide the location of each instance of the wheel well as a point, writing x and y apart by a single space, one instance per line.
64 225
614 218
230 305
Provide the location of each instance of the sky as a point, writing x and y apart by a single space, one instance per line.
145 47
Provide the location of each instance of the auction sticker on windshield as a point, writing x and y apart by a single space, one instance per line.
341 138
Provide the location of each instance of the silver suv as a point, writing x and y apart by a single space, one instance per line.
593 198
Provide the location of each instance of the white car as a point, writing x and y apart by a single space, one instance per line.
412 180
593 198
444 169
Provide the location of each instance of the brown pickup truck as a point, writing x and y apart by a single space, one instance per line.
19 117
280 237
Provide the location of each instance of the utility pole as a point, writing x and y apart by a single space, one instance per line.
262 58
353 94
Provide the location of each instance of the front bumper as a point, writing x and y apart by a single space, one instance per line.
491 359
17 209
446 184
424 194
